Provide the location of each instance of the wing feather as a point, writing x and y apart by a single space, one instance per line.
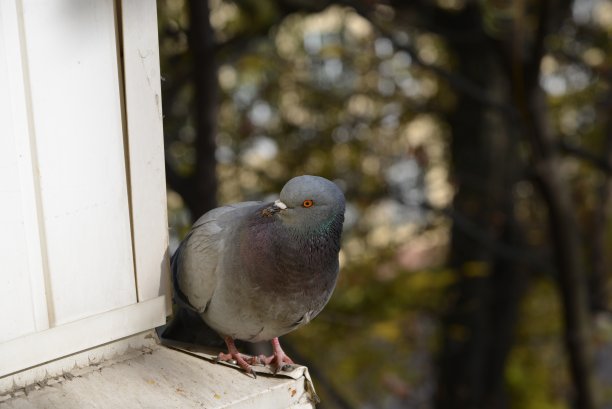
195 262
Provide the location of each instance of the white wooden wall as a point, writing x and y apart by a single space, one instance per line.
83 233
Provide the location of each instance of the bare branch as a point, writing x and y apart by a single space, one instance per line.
457 82
500 249
597 288
600 162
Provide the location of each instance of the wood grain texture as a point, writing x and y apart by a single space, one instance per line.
146 147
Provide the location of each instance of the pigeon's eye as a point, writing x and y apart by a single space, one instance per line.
308 203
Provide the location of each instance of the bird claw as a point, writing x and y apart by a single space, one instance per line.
278 360
283 367
236 358
276 366
229 358
255 359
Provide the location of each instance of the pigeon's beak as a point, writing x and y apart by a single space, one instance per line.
276 207
280 205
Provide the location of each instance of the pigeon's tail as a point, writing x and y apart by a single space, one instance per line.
187 326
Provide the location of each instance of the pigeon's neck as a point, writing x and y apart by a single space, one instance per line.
305 237
309 252
297 260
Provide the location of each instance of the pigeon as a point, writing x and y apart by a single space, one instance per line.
254 271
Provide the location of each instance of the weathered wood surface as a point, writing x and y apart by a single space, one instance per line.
160 377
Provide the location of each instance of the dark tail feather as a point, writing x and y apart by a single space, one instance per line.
187 326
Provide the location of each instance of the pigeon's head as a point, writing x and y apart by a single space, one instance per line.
310 202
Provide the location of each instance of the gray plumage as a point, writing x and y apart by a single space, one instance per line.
255 271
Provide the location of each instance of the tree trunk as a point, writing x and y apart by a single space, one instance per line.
598 296
200 194
477 332
565 239
565 235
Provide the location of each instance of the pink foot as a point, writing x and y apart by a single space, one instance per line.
279 358
245 361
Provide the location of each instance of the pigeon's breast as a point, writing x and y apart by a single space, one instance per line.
282 282
290 265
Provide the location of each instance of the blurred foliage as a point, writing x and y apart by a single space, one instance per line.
308 91
537 374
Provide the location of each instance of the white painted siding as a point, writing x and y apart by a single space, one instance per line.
146 145
69 279
76 113
24 308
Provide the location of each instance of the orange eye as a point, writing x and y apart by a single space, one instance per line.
308 203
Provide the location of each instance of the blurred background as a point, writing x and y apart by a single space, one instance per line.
473 141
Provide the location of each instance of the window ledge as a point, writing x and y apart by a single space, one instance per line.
161 377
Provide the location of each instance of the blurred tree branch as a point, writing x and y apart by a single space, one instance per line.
366 10
202 45
285 8
601 162
457 82
198 189
501 249
597 284
564 231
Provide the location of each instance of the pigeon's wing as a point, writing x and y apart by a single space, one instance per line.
195 262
